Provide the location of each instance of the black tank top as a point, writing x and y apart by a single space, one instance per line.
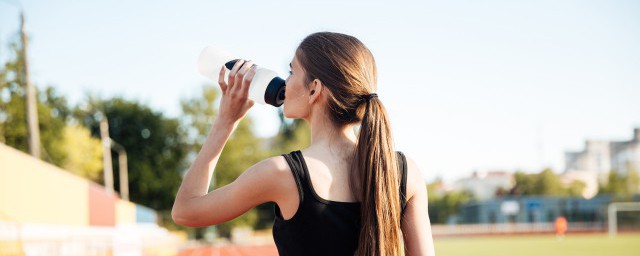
320 226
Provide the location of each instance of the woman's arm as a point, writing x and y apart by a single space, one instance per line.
194 205
259 184
416 225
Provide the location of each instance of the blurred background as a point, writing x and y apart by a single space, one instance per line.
523 116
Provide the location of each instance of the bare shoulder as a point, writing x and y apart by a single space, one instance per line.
275 164
273 168
415 180
274 175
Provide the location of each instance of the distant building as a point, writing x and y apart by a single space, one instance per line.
596 157
599 157
483 185
625 155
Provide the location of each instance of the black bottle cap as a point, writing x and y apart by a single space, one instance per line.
274 95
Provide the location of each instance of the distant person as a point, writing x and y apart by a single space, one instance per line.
560 226
345 194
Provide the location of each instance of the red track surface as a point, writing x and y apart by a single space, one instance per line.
230 250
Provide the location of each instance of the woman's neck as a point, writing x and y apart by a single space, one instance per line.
325 134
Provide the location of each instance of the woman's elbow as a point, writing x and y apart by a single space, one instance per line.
186 221
181 217
178 217
184 217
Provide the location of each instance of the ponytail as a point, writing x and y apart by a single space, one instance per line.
375 165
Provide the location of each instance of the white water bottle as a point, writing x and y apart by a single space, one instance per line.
265 88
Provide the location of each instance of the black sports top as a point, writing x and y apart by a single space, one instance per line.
320 226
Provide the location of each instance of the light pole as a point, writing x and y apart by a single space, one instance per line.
106 152
107 145
122 166
32 111
33 131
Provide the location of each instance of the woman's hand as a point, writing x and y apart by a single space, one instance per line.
235 102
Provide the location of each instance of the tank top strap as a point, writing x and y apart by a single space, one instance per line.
298 171
402 165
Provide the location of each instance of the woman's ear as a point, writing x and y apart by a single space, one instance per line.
315 90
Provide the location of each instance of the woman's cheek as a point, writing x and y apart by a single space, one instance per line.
289 109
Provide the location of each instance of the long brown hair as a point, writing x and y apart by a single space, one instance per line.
348 70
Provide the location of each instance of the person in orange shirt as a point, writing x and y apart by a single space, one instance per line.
561 226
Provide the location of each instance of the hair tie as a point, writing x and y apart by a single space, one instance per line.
370 96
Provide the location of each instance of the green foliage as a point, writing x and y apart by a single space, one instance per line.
633 181
525 184
442 206
545 183
84 153
616 184
52 112
197 117
548 183
13 123
293 135
51 125
155 148
576 188
621 186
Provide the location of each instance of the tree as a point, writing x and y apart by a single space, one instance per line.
633 180
575 188
525 184
52 111
154 144
545 183
84 155
619 185
443 206
548 184
616 184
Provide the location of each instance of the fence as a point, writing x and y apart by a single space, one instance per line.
513 228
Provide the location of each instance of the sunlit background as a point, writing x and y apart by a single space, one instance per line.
517 112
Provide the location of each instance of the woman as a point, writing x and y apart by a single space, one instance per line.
344 194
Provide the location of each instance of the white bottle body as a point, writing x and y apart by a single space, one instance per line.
212 59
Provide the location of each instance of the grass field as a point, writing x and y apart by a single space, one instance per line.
547 245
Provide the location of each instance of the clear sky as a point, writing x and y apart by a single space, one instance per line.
469 85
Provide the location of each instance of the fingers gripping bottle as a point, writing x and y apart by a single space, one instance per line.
265 88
